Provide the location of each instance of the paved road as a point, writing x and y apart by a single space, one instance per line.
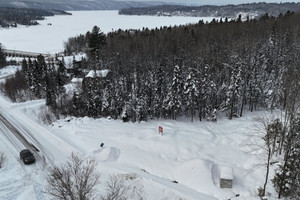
15 135
17 139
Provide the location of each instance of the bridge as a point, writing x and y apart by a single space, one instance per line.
25 54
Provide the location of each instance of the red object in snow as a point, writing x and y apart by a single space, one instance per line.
160 129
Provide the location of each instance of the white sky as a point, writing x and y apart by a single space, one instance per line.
221 2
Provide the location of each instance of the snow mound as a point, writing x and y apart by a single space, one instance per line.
196 174
107 154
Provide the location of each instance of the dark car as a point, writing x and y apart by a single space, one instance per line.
26 156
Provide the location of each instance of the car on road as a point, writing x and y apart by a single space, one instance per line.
27 157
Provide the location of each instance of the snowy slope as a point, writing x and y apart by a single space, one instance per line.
191 154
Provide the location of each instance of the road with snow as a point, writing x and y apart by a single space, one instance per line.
17 139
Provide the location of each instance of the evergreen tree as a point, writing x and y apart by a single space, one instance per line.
2 58
36 84
208 96
174 98
255 72
106 99
117 100
96 42
61 80
159 91
141 109
25 68
287 178
191 93
50 87
275 131
236 90
77 106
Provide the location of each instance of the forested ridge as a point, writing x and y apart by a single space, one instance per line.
252 10
24 16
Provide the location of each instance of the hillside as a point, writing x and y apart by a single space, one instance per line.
24 16
231 11
76 4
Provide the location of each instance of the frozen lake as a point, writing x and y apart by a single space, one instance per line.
49 39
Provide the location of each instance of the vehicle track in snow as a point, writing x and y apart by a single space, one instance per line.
17 139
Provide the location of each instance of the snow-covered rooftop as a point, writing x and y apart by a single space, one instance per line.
76 80
226 173
98 73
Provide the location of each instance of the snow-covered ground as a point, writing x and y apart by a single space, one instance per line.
192 154
47 38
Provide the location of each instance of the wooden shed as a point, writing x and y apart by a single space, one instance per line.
226 177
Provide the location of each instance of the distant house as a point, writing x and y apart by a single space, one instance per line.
100 77
105 73
226 177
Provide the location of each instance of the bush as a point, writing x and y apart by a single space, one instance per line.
16 88
2 159
123 187
78 177
74 180
46 115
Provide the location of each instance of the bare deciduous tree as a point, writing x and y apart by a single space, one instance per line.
118 188
263 140
74 180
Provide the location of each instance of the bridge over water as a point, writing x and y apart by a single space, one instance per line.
25 54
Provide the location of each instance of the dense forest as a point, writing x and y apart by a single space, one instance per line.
11 17
195 71
252 10
198 71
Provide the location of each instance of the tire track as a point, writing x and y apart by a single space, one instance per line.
17 139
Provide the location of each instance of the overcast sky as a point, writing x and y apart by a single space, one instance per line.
221 2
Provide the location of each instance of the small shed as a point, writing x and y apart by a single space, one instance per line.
226 177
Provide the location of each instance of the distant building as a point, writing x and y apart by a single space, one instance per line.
105 73
99 77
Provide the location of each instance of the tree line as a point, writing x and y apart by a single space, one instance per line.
11 17
194 70
231 11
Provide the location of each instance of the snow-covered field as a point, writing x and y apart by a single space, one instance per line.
50 38
192 154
